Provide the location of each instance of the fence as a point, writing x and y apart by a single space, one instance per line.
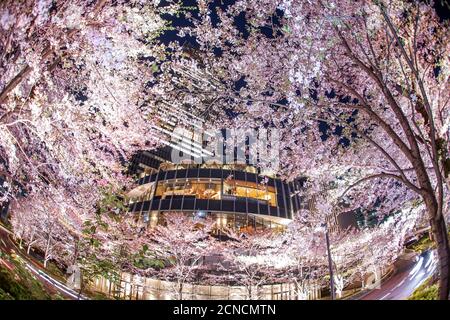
135 287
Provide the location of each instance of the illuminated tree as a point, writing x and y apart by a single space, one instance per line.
73 90
40 223
181 241
251 259
359 91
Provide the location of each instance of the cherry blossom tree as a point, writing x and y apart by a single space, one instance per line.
359 91
182 242
176 250
355 253
74 106
305 246
73 90
43 222
25 226
251 259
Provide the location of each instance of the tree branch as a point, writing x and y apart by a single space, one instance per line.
375 176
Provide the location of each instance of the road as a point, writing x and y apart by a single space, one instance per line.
50 283
409 276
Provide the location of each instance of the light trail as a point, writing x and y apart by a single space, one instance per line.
42 275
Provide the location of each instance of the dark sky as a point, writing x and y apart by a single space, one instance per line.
443 9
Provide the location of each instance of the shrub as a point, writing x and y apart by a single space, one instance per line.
20 285
426 291
423 244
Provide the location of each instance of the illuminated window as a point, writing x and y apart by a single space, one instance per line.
149 193
199 189
246 189
211 189
160 189
206 189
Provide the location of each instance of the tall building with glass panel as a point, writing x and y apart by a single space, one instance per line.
234 194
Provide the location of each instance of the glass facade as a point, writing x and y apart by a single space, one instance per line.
249 189
223 191
200 189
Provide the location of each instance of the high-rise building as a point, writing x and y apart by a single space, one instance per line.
234 192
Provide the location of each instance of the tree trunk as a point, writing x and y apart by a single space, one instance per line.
75 254
180 291
81 290
47 252
440 236
30 244
14 82
46 52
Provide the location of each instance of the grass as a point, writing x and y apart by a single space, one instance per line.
426 291
20 284
54 270
423 244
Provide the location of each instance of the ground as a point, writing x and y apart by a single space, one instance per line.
17 283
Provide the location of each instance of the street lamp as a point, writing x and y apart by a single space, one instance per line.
330 262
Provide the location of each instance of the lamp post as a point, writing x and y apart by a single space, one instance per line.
312 208
330 263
